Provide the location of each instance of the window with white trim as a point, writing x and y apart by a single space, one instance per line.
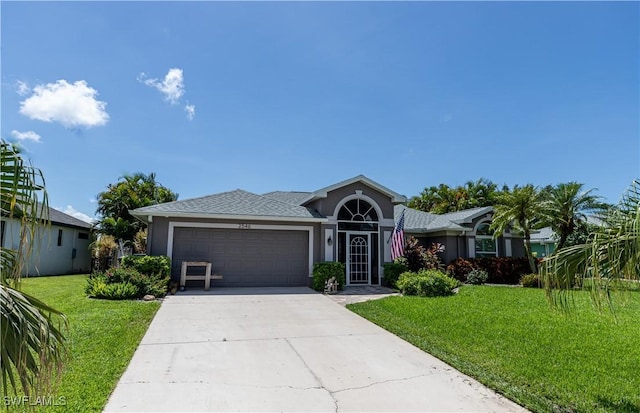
485 243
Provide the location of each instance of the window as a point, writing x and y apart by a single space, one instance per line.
485 243
59 237
360 214
83 235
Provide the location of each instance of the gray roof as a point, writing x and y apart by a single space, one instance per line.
295 198
420 221
232 203
543 234
58 217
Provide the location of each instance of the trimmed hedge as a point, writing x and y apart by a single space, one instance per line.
531 281
322 271
500 270
426 283
392 271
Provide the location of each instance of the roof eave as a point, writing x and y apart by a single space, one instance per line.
144 217
396 198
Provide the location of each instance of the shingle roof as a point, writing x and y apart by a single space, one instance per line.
232 203
420 221
292 197
58 217
542 234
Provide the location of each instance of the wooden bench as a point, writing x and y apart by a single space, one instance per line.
207 277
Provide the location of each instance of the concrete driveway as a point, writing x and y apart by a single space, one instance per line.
285 349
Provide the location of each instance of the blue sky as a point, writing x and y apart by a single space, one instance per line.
297 96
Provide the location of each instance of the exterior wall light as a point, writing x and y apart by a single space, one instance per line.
329 241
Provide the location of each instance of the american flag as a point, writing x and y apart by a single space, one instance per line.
397 239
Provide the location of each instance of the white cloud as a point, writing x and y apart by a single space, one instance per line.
69 210
72 105
26 136
172 86
191 111
23 88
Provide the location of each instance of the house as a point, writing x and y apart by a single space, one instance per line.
274 239
464 233
61 248
543 242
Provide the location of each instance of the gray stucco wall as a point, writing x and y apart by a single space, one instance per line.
327 206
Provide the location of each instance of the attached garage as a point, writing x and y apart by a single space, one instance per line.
246 257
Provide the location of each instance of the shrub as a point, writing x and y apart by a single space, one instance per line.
148 264
418 257
322 271
500 270
392 271
531 281
154 284
477 277
99 285
426 283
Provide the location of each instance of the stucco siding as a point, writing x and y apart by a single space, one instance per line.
327 206
49 258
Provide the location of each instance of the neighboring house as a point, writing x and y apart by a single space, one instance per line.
465 234
61 248
543 242
275 238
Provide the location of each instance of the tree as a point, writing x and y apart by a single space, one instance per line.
130 192
521 209
612 252
443 198
566 208
31 333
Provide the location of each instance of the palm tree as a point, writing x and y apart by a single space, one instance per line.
31 332
521 209
566 206
612 252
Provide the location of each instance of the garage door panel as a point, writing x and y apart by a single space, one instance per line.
246 257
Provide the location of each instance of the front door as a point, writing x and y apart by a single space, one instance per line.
358 258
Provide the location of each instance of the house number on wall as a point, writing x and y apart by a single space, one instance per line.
244 226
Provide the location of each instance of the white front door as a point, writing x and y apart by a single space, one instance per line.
358 258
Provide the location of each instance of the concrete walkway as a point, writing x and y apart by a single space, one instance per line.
287 349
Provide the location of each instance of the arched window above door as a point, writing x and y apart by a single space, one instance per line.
357 215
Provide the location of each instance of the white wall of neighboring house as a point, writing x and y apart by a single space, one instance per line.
49 258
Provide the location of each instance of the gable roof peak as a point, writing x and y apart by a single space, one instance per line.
396 198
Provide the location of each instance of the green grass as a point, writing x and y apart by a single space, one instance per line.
512 341
103 336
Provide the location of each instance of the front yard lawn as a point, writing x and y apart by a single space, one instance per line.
103 336
510 340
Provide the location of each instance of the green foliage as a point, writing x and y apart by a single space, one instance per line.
531 281
148 264
426 283
392 271
322 271
131 192
32 342
511 341
443 198
500 270
418 257
612 252
477 277
126 283
565 209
